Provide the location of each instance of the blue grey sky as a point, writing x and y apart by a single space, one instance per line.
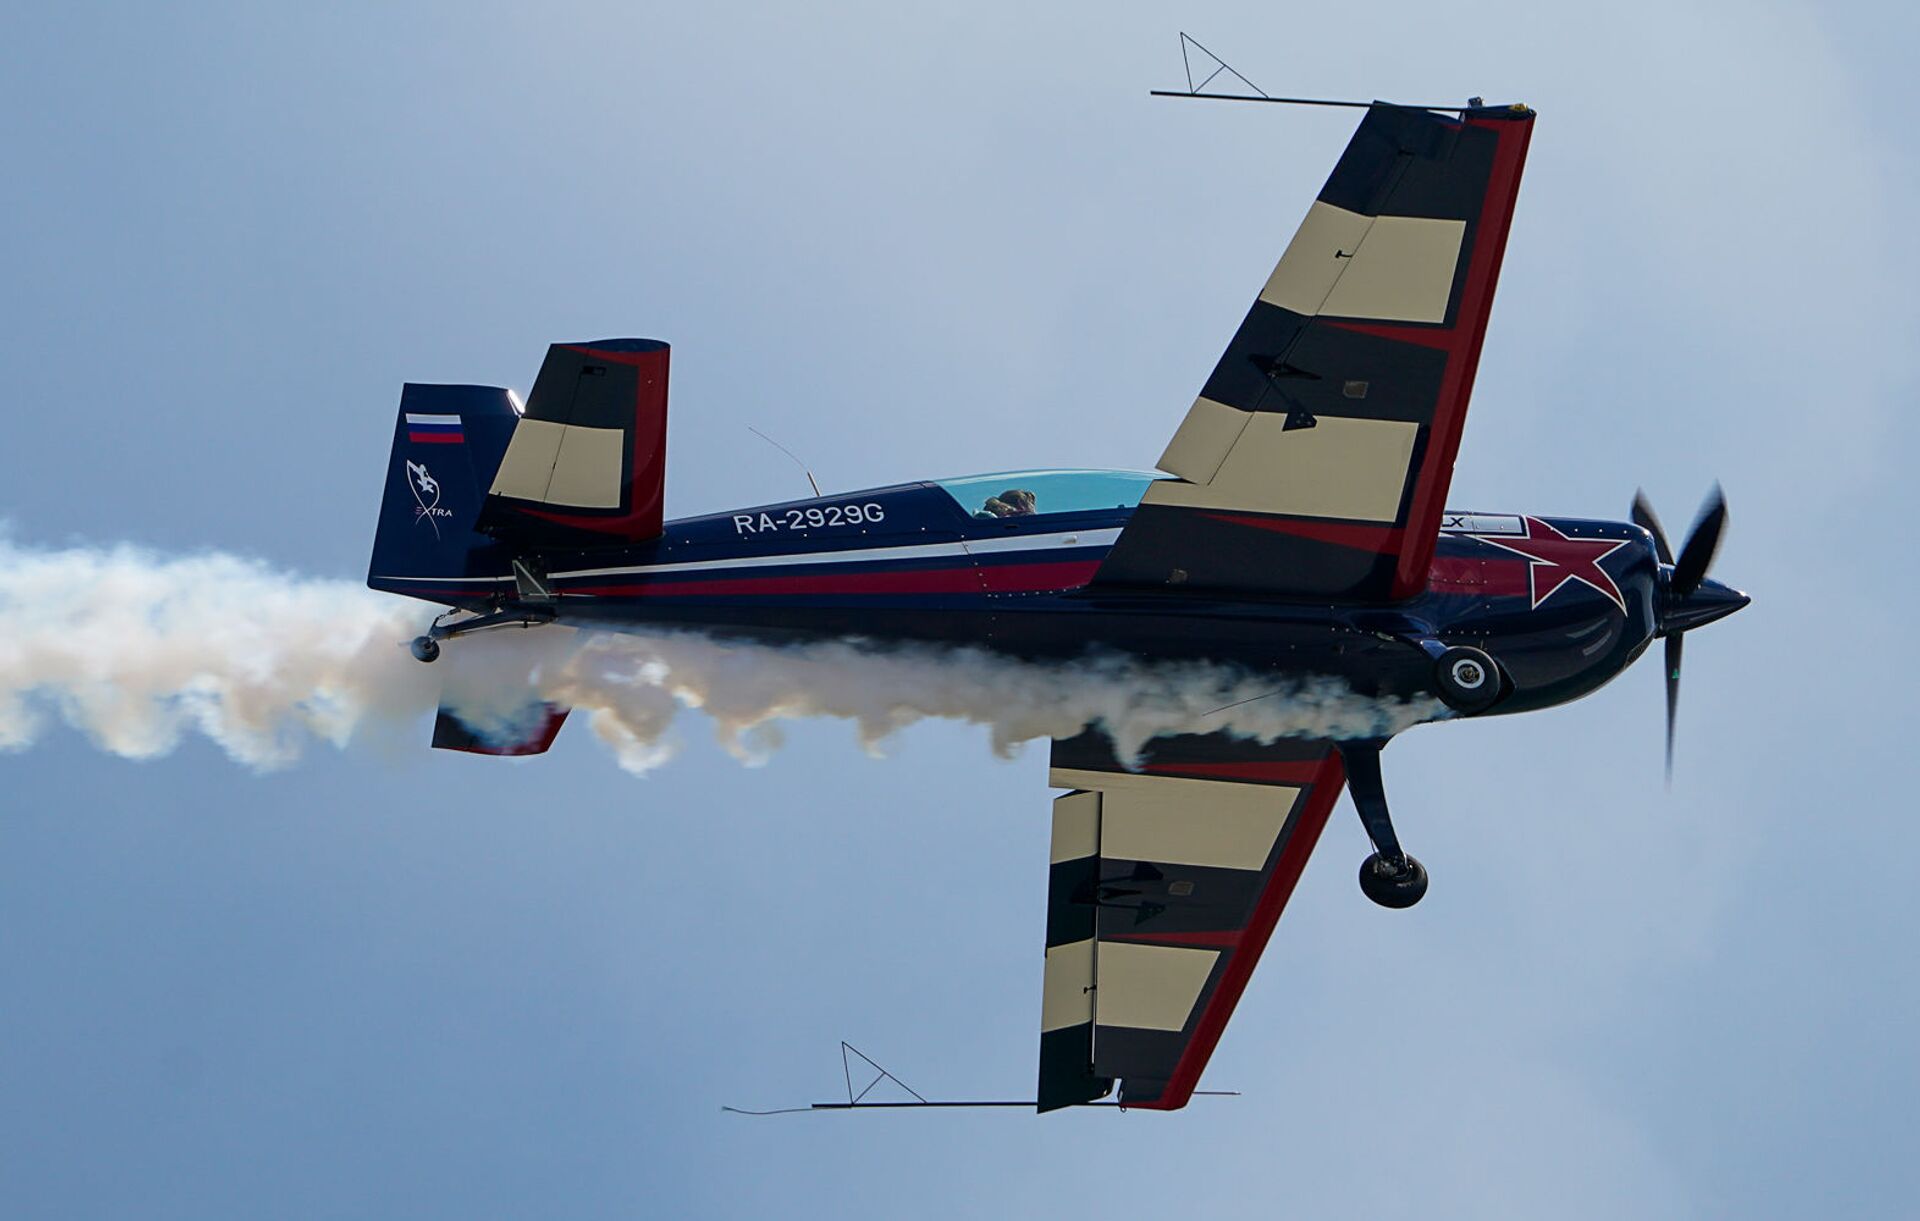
914 241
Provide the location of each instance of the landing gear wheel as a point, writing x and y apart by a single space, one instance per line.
1468 679
1393 884
425 648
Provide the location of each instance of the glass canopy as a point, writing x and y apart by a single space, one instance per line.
1037 493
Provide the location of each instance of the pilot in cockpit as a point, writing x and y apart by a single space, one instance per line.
1014 502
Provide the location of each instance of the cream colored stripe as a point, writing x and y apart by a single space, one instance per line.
1150 987
1203 440
1076 826
1402 272
1316 258
527 469
1064 996
586 474
1231 826
1349 265
1179 821
1113 782
1341 467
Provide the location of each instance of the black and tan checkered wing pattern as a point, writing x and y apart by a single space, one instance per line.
1165 883
1316 460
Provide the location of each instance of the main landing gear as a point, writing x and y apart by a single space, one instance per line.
1389 877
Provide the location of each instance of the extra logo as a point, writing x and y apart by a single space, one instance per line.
426 496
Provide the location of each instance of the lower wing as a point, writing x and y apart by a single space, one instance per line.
1166 882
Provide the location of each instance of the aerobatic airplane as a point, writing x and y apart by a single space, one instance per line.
1296 526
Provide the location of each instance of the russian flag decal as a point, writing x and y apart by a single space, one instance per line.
435 429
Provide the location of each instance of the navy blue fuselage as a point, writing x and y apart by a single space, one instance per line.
908 564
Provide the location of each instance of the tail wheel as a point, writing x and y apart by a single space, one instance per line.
425 648
1467 679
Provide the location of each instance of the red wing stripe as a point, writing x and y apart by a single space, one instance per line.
1442 338
1456 384
1266 914
1340 534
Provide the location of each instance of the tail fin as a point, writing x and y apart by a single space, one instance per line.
476 481
447 444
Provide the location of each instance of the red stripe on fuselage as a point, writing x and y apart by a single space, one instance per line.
1037 578
1003 578
436 438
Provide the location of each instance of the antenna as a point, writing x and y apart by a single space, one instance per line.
858 1101
1189 44
813 483
1186 61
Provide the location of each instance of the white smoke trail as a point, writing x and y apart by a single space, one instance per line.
137 650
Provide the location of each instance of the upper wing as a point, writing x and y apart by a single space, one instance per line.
1165 884
1316 460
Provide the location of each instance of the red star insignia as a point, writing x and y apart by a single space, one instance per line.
1553 559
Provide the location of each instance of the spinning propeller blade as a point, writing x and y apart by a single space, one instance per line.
1644 518
1691 568
1687 600
1673 694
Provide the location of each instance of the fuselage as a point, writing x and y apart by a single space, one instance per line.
1562 604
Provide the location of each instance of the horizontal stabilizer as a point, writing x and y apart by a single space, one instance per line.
531 735
587 462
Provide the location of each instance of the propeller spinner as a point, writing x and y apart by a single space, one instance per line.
1687 598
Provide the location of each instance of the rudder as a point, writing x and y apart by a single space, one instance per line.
447 444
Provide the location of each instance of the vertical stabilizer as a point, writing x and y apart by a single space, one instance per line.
447 445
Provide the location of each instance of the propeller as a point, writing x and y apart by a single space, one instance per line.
1644 518
1687 599
1691 568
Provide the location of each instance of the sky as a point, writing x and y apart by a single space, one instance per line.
908 242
